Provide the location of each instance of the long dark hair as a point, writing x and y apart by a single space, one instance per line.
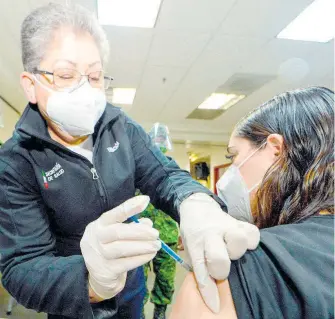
300 183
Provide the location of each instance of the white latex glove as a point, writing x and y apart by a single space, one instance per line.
211 238
111 248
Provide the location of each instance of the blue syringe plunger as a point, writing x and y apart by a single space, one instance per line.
169 251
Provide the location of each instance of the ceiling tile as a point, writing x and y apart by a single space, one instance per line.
157 85
275 53
197 15
176 48
128 44
261 18
125 74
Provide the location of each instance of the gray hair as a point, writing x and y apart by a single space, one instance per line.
39 26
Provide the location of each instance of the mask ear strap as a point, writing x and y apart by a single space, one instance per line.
254 152
42 85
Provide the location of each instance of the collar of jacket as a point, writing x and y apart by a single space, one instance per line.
33 125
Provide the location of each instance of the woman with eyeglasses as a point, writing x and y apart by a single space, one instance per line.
67 181
282 180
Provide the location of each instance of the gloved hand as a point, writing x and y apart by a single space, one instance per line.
111 248
211 238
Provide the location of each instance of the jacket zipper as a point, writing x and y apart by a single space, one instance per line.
99 183
94 173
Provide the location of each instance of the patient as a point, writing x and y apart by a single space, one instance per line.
281 179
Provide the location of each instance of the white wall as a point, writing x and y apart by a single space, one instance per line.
9 118
179 154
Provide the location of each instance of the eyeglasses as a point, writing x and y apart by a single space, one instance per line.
70 78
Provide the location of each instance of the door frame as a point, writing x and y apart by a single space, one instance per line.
216 174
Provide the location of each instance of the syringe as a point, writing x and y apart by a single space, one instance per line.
169 251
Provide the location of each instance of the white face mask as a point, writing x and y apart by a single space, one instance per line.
76 112
233 190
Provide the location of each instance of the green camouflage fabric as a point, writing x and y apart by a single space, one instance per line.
163 265
167 227
164 268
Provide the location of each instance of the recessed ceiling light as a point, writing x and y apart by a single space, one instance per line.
220 100
315 23
123 95
128 13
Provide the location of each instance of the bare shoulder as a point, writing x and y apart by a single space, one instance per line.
189 304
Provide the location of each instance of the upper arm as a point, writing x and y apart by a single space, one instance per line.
274 281
190 305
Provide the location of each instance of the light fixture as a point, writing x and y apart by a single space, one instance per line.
193 158
128 13
123 95
220 100
315 23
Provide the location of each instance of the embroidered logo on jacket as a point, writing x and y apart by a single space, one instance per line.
114 148
45 181
54 173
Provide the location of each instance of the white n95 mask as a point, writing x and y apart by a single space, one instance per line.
234 192
76 112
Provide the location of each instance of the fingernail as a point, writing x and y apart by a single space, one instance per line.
140 203
158 245
146 221
214 303
155 233
211 299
